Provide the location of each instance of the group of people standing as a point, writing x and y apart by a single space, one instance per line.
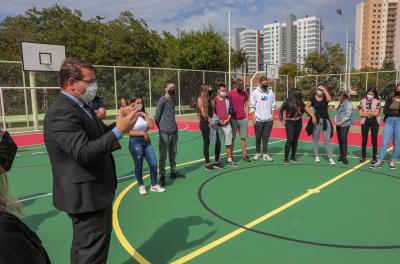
227 114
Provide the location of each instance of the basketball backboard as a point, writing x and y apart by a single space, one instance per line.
42 57
272 71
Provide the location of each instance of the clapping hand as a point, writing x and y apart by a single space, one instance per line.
126 119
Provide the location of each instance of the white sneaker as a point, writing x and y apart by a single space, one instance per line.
317 160
267 158
142 189
157 188
332 162
257 156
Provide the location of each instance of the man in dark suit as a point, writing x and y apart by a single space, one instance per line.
79 147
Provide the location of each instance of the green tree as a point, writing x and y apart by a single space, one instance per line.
239 60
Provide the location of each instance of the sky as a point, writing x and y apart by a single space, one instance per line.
164 15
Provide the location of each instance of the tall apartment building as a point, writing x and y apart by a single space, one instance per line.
251 42
377 33
292 41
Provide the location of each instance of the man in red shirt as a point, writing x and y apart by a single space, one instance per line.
239 100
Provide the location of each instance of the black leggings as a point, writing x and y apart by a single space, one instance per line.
342 133
293 130
205 131
373 124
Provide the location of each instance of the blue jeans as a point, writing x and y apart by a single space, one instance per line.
141 149
391 131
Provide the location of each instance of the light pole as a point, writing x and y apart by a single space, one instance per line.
339 12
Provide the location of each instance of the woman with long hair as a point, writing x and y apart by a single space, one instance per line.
370 111
344 120
293 107
391 131
206 112
140 147
18 244
317 108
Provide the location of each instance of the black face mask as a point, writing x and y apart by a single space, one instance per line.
171 92
8 150
265 87
396 93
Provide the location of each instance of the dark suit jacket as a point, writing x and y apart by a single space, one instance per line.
19 244
84 178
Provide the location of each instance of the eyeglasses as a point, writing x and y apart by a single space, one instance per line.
87 82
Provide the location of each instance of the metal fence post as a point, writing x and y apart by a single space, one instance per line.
34 101
25 99
366 82
295 81
3 114
287 86
179 90
340 81
115 92
229 88
204 77
150 100
316 81
377 80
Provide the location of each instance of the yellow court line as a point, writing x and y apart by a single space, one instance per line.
253 223
115 221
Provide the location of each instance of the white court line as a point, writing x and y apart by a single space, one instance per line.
129 176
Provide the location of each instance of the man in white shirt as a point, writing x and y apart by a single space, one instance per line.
262 107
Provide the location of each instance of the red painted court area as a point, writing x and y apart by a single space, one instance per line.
353 139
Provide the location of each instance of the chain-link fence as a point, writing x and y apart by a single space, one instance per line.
19 113
359 83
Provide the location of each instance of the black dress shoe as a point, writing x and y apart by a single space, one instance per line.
177 175
345 161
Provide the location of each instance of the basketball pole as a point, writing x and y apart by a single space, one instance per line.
32 83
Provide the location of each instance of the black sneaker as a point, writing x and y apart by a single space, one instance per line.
231 163
246 158
286 162
162 181
340 158
377 165
293 159
209 167
177 175
362 160
345 161
218 165
392 165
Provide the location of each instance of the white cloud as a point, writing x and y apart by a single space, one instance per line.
193 14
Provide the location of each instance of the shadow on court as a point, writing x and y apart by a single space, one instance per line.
171 238
34 221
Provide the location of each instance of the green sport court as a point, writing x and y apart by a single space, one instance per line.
258 212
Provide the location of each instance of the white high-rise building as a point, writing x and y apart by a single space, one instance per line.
283 44
251 42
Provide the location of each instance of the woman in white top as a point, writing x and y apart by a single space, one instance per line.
140 147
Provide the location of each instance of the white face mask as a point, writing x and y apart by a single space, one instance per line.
222 94
139 107
90 93
370 97
320 93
